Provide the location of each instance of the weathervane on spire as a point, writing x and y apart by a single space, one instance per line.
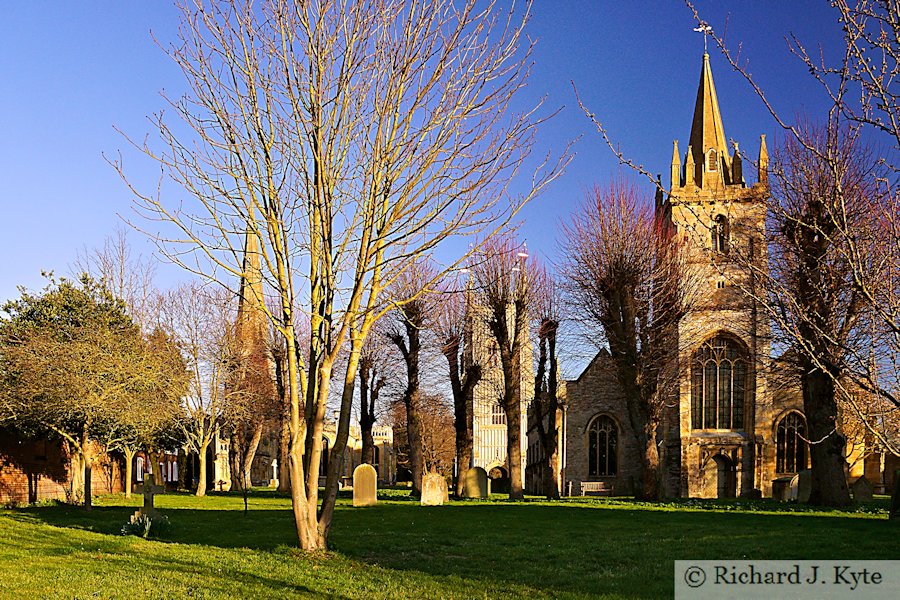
706 30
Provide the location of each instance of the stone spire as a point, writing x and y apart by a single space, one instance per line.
707 132
250 310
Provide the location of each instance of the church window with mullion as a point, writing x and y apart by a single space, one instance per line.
603 444
718 385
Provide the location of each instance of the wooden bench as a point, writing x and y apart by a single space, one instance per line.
601 488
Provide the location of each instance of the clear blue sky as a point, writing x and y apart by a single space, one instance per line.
71 71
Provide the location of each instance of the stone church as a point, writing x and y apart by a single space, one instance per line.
734 425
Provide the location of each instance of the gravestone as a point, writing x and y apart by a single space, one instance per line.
862 490
149 489
781 488
476 483
804 486
274 481
434 489
793 488
895 498
365 486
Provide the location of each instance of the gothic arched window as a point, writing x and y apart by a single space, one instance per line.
718 385
712 161
603 445
720 234
498 416
790 446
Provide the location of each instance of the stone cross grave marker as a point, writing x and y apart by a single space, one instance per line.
476 483
434 489
862 490
365 486
274 481
149 489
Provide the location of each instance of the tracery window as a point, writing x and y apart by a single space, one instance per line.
720 234
498 416
603 445
791 451
719 372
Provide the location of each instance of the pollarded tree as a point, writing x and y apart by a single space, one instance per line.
503 303
624 273
347 136
411 320
546 304
451 327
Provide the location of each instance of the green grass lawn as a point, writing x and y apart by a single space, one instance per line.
569 549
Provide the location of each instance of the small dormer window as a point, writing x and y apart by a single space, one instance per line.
720 233
712 161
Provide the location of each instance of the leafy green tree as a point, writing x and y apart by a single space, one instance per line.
76 365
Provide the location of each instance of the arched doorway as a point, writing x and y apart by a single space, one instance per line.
726 484
499 480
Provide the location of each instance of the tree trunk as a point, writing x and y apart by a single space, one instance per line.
201 483
414 437
514 449
462 389
88 465
129 470
829 480
249 456
284 457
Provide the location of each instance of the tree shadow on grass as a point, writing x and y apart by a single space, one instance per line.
560 548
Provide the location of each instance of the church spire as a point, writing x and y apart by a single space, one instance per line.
707 132
250 311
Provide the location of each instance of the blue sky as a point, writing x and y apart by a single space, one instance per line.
74 70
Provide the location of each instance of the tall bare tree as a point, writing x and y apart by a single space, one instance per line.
371 382
625 273
412 319
546 304
347 136
451 326
501 280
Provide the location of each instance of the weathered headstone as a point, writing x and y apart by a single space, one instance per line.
862 490
149 489
434 489
365 486
793 489
476 483
804 486
895 497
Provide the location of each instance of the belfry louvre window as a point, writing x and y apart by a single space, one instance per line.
603 446
720 234
718 385
790 447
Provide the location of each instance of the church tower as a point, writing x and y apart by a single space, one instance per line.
715 424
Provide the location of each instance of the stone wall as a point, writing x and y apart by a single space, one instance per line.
594 393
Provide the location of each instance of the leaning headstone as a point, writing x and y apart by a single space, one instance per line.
862 490
434 488
804 486
476 483
895 497
365 486
149 489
